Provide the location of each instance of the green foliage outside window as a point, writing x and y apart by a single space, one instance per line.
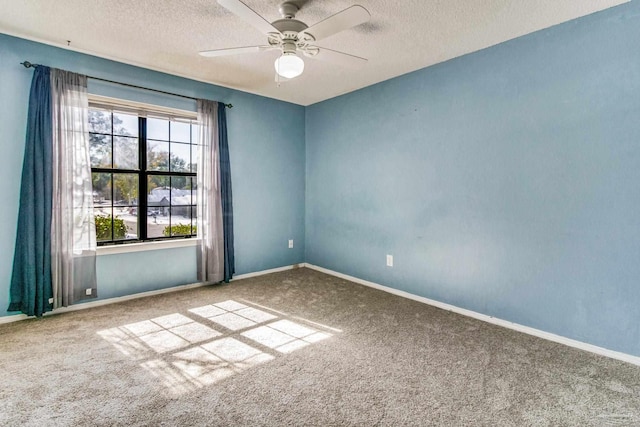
100 146
103 228
179 230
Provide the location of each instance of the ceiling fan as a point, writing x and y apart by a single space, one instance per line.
292 36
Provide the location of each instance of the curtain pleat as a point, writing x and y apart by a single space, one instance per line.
225 194
30 289
210 251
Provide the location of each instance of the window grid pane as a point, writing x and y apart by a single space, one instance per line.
169 205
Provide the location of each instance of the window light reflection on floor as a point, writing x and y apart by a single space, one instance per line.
209 343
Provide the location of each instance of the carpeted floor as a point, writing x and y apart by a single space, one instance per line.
298 348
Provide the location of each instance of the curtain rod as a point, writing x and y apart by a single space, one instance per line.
28 64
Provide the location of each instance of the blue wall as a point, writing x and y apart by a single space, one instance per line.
506 181
266 143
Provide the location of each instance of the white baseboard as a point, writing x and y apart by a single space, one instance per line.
489 319
263 272
13 318
91 304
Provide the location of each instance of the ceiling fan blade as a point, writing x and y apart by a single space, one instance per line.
350 17
235 51
245 12
340 58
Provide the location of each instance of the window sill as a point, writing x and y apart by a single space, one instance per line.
146 246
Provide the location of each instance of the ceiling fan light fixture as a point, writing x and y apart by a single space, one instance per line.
289 65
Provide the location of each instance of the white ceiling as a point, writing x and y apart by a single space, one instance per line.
166 35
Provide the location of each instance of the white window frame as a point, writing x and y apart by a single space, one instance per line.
143 110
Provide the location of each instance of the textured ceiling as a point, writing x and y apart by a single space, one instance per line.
166 35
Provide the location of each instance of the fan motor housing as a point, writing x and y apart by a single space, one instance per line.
289 25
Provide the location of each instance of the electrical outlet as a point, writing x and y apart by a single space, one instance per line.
88 291
290 243
389 260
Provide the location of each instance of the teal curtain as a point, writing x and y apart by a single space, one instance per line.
225 194
31 278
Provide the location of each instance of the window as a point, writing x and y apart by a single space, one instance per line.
142 153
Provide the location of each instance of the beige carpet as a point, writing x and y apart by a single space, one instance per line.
298 348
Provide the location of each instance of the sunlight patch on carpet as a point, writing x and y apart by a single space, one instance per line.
210 343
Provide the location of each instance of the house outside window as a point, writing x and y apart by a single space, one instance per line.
142 151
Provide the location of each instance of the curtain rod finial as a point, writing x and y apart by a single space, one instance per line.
27 64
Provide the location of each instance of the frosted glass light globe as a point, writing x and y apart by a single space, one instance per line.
289 65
